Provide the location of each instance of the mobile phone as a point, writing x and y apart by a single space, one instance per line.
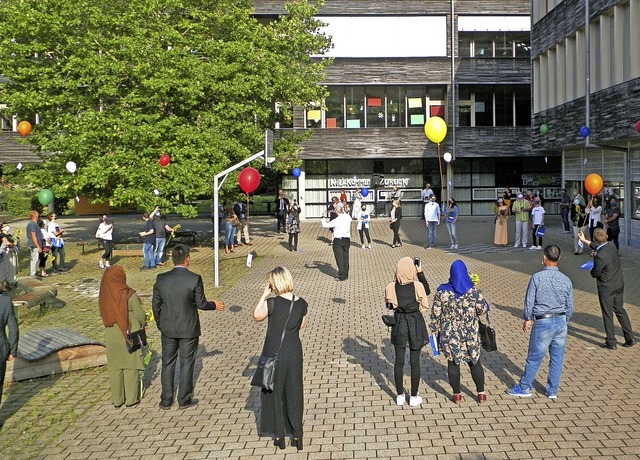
416 261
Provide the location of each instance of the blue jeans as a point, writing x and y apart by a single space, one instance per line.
159 252
432 231
149 256
229 234
451 228
546 334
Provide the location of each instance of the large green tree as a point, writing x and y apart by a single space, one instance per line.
115 84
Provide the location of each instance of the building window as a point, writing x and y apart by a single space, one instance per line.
504 107
483 107
523 105
334 103
375 107
395 106
355 107
494 44
635 207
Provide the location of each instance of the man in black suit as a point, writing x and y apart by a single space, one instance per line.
282 206
608 274
8 345
177 297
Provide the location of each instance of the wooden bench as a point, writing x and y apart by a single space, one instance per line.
35 293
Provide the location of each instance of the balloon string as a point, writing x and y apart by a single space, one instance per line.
441 181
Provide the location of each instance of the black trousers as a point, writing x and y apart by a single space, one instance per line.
364 231
395 226
612 235
108 247
186 349
341 253
477 374
282 220
613 304
293 241
398 370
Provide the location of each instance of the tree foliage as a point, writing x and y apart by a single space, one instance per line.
115 84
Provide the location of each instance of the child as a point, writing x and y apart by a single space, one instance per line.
537 220
363 226
293 225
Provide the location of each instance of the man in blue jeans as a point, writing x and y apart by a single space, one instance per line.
148 247
549 300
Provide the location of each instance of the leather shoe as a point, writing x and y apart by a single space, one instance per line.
629 343
609 347
163 407
190 403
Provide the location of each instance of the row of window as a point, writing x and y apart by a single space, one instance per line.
494 44
411 106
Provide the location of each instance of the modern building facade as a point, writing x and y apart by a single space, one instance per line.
590 77
396 64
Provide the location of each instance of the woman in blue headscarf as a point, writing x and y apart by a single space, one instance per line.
454 315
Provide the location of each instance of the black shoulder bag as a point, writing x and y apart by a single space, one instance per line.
265 374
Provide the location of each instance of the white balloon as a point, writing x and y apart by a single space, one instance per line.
447 157
71 167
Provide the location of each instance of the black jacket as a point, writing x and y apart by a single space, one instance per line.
177 297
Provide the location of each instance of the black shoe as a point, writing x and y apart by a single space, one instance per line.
133 405
190 403
609 347
297 443
629 343
164 407
279 442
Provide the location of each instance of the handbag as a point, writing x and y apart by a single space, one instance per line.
138 340
540 230
265 374
487 335
389 320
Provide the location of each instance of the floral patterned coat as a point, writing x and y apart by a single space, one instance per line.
457 322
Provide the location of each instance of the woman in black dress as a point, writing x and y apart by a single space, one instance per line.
282 408
395 218
407 295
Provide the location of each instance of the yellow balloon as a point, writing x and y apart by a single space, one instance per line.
435 129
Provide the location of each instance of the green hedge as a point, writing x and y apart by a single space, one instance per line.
18 202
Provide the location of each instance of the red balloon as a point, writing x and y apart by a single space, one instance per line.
164 160
24 128
249 179
593 183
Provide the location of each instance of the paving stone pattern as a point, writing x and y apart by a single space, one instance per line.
350 410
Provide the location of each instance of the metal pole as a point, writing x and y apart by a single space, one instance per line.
216 226
587 67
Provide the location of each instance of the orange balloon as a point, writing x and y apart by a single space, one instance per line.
24 128
593 183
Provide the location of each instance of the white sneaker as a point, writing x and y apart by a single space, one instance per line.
524 245
107 265
101 265
369 246
539 248
400 399
533 247
455 246
452 246
415 400
516 245
363 246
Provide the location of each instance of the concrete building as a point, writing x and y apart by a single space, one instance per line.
397 63
590 77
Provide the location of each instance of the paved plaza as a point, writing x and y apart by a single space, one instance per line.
350 409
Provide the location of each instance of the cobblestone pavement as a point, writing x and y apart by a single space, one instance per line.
350 410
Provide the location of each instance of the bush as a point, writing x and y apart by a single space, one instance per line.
18 202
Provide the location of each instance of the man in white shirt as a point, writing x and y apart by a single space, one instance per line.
341 226
432 220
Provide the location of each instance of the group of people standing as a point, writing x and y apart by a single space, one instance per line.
44 240
529 216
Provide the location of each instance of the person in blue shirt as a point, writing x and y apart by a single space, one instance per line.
548 301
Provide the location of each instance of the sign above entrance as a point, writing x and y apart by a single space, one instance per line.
348 182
